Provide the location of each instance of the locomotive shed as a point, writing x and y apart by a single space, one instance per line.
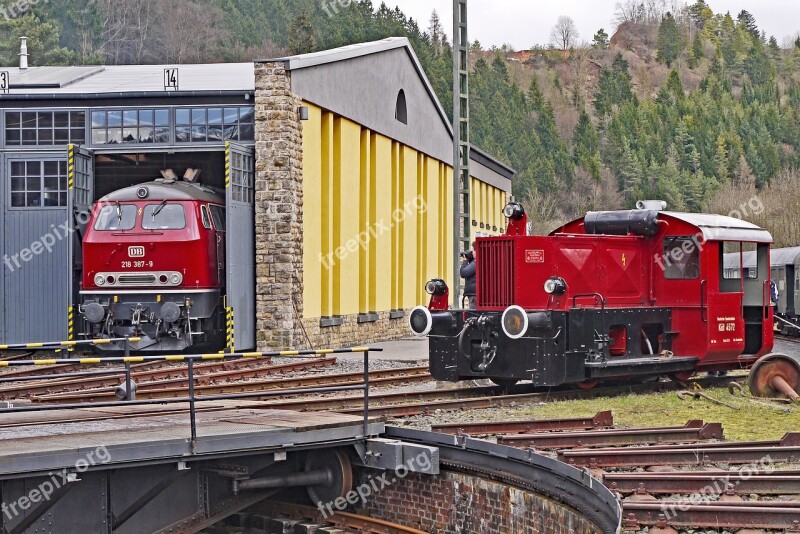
316 155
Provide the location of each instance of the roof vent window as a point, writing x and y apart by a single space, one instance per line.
400 110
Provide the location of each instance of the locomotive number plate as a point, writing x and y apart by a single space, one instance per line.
534 256
136 252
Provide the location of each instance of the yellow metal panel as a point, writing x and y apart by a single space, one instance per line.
422 227
327 207
408 224
383 265
449 234
396 231
365 286
432 223
347 169
312 219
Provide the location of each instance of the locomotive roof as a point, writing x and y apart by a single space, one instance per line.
167 190
722 227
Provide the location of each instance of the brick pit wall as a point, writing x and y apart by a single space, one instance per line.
453 502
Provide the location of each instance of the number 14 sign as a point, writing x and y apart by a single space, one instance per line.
171 79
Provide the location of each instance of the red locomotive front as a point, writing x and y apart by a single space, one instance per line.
154 266
611 295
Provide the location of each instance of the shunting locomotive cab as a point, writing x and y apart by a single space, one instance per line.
613 294
154 265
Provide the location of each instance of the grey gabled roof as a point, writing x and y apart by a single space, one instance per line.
345 53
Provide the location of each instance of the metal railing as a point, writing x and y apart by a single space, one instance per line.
190 360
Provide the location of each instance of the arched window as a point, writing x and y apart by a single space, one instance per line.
400 109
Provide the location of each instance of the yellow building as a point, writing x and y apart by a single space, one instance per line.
366 149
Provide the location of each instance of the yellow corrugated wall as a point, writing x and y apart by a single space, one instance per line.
377 218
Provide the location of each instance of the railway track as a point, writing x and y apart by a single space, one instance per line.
162 376
750 485
290 517
154 390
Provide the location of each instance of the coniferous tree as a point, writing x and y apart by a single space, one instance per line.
600 40
302 37
669 40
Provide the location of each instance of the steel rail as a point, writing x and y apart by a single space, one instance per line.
772 483
344 520
600 420
690 455
730 514
618 437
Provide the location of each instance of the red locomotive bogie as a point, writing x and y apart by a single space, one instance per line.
154 265
612 294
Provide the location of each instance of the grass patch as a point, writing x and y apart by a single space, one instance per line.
749 422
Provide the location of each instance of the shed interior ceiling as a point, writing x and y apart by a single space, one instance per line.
115 171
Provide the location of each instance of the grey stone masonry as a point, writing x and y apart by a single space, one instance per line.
278 208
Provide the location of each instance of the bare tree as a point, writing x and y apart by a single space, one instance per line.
564 34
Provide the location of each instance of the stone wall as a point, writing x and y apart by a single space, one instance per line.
457 503
278 208
351 332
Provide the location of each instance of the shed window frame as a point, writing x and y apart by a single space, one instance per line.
122 122
195 124
21 180
44 127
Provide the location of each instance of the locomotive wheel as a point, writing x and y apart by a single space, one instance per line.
504 382
341 475
682 376
589 383
775 375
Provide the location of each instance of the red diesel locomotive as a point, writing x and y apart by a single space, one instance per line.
154 266
611 295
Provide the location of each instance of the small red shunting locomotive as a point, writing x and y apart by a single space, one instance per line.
613 294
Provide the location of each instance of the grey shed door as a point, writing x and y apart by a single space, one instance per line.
36 248
80 174
240 245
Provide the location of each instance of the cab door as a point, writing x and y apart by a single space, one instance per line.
723 295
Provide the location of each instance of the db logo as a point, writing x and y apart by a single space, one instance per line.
136 252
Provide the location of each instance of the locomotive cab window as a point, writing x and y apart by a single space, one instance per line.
163 217
681 258
218 216
116 217
205 216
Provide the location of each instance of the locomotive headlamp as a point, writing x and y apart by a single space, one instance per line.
420 321
555 286
99 280
436 286
175 279
514 211
514 322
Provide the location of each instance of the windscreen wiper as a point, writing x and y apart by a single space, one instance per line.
159 208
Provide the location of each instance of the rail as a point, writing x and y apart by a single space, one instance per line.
191 398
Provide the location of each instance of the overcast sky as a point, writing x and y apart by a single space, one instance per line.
523 23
